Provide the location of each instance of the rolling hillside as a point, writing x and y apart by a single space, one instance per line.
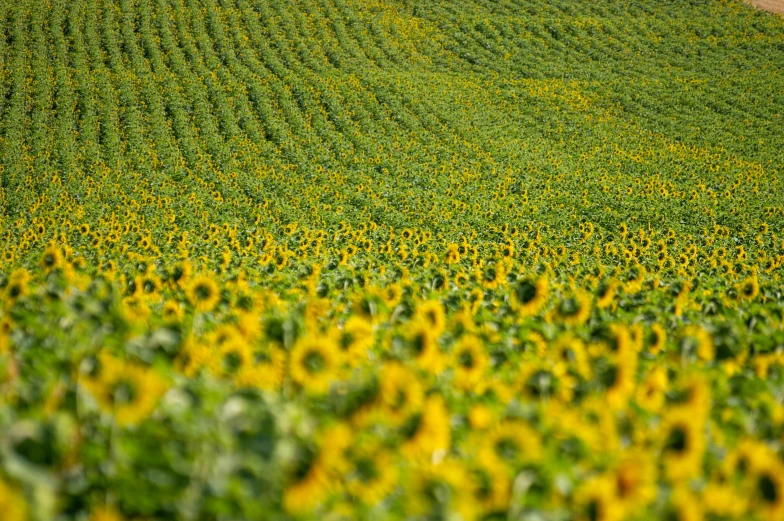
364 259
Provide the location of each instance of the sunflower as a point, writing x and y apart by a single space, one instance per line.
309 484
452 255
372 474
605 293
650 393
172 312
150 287
491 489
130 392
18 286
492 275
392 294
572 310
180 274
507 446
315 469
682 443
684 506
432 313
314 364
766 489
635 481
530 295
461 279
230 356
692 391
697 340
595 500
356 339
135 309
400 393
657 337
749 288
203 293
266 371
51 259
470 361
428 432
568 352
423 343
443 490
618 377
193 356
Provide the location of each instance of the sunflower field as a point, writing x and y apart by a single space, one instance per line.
391 260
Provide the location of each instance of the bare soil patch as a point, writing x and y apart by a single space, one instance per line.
774 6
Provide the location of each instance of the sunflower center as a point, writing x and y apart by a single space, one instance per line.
203 292
314 362
677 441
467 359
569 307
231 362
507 449
367 470
124 393
526 292
768 489
594 510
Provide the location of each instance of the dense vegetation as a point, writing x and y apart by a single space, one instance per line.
365 259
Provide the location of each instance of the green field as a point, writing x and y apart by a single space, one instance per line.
377 259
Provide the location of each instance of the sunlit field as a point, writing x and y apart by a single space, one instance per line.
391 260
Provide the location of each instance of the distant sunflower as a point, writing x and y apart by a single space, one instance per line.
452 255
230 357
51 259
491 488
372 474
650 393
507 446
656 339
635 481
697 340
428 432
392 294
432 312
172 312
180 274
265 372
572 310
401 394
423 343
314 363
682 444
749 288
130 392
355 339
767 489
470 361
530 295
443 490
203 293
309 484
595 500
605 293
18 286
